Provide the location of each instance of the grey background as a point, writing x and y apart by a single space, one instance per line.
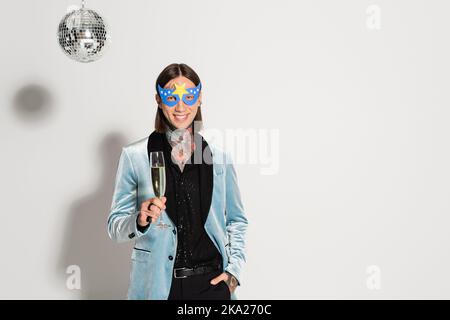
363 151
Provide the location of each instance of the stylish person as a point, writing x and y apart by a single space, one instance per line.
199 250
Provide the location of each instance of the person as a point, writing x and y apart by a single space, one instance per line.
189 243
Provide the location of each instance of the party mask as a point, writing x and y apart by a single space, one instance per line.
189 96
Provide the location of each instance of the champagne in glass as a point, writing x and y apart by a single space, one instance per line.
159 180
158 176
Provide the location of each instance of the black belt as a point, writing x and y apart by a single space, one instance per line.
187 272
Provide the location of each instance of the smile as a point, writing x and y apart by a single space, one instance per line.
180 118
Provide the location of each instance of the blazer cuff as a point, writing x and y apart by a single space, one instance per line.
125 228
140 228
234 272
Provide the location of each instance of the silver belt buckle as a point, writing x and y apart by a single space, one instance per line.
175 273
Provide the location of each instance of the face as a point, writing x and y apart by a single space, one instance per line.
180 102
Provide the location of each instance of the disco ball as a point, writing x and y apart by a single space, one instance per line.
82 35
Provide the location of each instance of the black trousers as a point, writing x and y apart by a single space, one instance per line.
197 287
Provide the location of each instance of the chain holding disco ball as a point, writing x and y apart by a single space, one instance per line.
82 35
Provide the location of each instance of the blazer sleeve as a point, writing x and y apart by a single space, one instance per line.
122 219
236 222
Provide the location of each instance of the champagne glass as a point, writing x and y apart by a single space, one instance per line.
158 176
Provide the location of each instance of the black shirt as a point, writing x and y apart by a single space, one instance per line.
194 246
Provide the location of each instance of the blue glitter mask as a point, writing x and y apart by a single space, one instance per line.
189 96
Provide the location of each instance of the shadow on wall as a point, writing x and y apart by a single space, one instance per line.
33 103
104 264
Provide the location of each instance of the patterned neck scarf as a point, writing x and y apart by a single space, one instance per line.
182 142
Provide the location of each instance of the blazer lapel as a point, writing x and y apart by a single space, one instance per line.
206 176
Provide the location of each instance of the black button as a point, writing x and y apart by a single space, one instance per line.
131 235
174 231
170 258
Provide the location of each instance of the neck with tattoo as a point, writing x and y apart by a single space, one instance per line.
182 142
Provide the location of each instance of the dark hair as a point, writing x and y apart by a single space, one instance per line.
170 72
